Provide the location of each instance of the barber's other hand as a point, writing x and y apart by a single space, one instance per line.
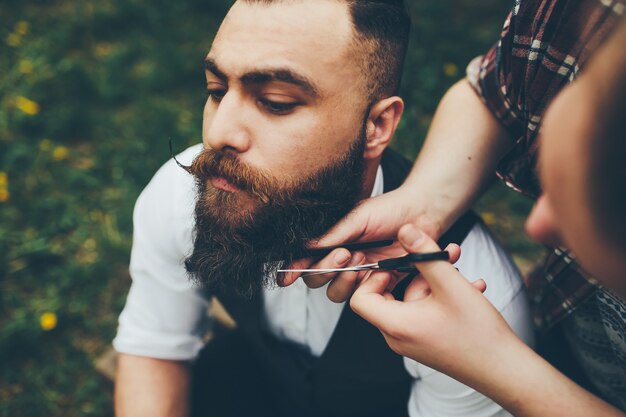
444 321
371 220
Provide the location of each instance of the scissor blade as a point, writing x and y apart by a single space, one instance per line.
329 270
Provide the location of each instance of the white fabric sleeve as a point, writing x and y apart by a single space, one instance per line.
435 394
165 315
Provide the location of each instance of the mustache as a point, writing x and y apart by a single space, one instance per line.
211 163
239 251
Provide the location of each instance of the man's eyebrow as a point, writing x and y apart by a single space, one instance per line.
211 66
263 76
282 75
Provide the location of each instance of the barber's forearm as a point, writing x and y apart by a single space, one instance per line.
528 386
151 387
458 159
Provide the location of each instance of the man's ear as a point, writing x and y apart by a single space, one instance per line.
381 124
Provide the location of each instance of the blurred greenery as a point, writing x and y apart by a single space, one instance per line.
90 94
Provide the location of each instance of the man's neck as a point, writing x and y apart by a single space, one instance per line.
369 177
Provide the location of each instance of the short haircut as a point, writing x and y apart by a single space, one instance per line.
607 168
381 30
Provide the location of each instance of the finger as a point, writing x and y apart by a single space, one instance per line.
437 273
339 258
376 305
285 279
335 259
396 278
455 252
342 287
480 285
417 289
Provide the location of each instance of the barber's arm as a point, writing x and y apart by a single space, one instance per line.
455 165
151 387
447 324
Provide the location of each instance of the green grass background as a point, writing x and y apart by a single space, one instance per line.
90 94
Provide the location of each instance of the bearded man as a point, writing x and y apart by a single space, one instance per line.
302 105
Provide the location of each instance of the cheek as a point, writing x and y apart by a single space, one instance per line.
594 253
206 120
302 145
541 224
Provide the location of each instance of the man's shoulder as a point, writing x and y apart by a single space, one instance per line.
163 216
170 173
171 186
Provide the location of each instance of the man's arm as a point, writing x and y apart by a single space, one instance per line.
151 387
160 329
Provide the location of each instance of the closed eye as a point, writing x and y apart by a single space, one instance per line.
216 95
278 108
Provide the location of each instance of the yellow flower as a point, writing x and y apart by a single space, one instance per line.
4 195
27 106
90 244
4 179
60 152
22 27
26 66
48 321
450 69
13 39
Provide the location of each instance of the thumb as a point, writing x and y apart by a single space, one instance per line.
414 240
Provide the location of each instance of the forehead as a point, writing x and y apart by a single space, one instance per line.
310 37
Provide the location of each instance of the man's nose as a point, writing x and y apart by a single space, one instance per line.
541 224
226 125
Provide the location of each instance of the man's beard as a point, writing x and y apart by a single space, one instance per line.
238 249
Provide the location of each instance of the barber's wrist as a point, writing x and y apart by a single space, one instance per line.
516 374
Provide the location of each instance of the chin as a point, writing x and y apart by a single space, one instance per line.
607 266
232 208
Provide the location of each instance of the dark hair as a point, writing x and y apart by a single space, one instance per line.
381 37
608 150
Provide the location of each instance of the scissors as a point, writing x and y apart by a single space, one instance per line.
401 264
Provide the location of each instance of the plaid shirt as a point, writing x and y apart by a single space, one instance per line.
543 46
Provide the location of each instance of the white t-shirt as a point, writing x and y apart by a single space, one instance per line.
165 315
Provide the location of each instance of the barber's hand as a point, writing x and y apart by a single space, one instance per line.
372 219
444 321
343 284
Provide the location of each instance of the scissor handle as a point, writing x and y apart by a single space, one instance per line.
406 260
